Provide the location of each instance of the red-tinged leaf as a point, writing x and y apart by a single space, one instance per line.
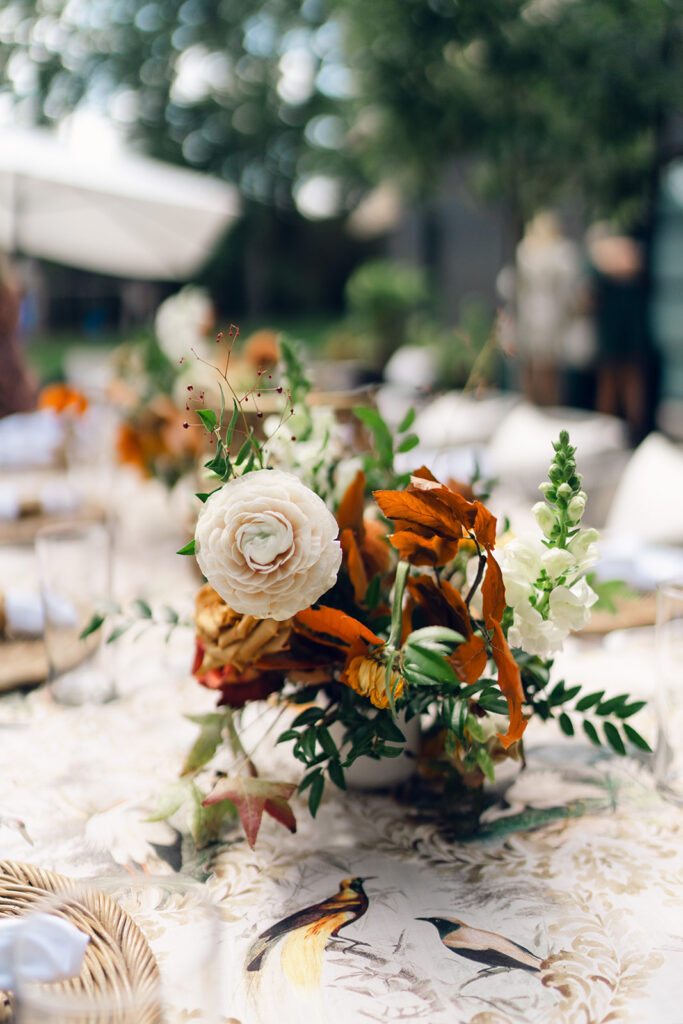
252 797
510 683
492 592
330 626
354 565
422 551
350 511
277 807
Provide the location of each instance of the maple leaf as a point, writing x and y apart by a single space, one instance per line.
252 797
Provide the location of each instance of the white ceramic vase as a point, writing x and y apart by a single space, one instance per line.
369 773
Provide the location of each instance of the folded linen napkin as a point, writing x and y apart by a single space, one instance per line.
40 948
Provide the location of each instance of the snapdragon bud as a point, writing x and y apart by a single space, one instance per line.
576 506
564 491
546 487
545 517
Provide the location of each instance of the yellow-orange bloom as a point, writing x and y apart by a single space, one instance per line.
367 675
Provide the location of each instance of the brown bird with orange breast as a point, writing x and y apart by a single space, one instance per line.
305 933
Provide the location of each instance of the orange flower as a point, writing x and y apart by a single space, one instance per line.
262 349
62 398
366 673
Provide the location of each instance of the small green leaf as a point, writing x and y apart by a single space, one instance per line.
141 609
409 442
440 634
380 433
208 418
630 709
636 738
308 744
591 732
613 738
407 421
566 724
612 706
168 614
474 728
326 742
589 701
388 730
233 423
95 623
308 717
431 664
188 549
336 773
316 794
171 800
243 452
206 744
118 631
485 762
218 464
384 750
287 735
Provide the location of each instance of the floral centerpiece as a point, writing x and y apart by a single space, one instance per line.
355 614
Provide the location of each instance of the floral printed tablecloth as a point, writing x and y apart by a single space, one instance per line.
577 871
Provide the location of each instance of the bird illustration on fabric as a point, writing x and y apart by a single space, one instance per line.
305 933
484 947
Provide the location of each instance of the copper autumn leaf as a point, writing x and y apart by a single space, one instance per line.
443 605
252 797
332 627
363 541
509 679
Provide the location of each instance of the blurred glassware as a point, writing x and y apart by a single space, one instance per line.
668 761
74 563
163 971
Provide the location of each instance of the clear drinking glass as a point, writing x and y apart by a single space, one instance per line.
160 965
75 579
668 761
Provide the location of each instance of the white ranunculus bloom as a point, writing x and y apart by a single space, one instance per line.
267 544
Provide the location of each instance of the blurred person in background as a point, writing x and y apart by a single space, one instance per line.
547 282
18 388
620 306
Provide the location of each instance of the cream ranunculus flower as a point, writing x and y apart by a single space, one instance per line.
267 544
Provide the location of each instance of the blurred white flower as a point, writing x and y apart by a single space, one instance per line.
267 544
183 321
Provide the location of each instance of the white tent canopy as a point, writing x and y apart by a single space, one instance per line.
117 214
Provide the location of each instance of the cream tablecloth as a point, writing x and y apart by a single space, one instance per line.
580 862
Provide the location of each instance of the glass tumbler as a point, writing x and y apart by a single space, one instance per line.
668 760
74 563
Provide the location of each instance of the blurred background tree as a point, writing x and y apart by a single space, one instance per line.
305 103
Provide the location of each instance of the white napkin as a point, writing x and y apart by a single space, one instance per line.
9 502
23 612
40 948
58 498
647 504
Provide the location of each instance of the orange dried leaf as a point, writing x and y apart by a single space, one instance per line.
424 551
354 564
350 511
330 626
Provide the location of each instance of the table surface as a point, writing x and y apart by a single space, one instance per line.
579 863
